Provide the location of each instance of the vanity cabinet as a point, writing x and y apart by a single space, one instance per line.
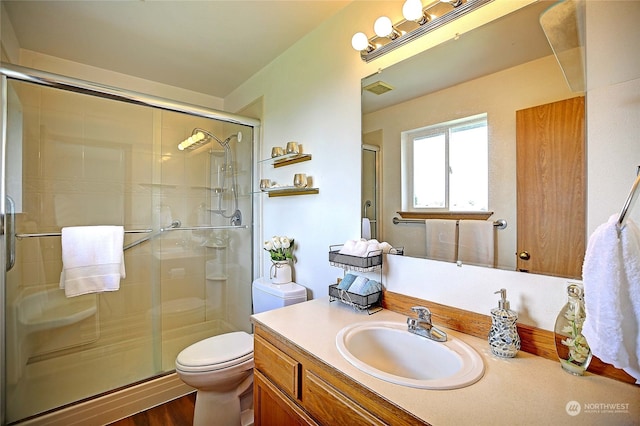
292 387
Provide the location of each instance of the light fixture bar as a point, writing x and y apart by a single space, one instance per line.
434 23
196 139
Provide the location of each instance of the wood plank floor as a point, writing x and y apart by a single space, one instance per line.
178 412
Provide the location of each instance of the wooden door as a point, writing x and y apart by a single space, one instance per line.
551 188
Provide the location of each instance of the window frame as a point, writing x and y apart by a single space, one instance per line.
408 139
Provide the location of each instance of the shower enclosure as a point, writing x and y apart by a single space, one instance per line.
78 154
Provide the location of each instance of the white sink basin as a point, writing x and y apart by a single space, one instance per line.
386 350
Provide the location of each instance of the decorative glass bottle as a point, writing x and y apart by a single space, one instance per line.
571 346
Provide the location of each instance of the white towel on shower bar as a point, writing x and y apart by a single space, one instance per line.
92 259
476 242
611 279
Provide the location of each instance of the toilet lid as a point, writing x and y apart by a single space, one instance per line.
217 352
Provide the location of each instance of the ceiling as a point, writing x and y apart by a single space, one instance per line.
208 46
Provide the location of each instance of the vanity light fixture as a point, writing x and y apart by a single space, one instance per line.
383 27
417 21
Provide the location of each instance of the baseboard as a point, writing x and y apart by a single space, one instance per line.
116 405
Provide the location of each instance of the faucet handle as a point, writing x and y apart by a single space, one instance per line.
423 313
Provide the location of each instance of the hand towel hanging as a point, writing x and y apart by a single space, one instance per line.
92 259
476 242
611 279
441 239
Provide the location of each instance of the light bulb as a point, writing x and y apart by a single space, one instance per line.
383 27
359 41
412 10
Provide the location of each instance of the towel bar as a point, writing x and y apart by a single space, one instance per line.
176 226
628 205
58 234
499 224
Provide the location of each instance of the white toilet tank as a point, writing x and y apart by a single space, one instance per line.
268 296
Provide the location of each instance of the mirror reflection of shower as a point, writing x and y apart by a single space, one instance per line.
200 137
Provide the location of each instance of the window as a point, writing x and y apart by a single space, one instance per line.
446 167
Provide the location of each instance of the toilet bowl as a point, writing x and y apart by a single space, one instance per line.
221 367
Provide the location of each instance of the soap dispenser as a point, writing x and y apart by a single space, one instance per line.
503 337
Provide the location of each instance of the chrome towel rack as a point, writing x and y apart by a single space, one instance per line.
176 225
58 234
498 224
628 205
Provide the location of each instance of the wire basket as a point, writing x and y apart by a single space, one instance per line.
357 301
371 262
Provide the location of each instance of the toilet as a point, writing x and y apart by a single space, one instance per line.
221 367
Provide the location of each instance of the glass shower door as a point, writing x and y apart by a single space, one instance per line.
79 160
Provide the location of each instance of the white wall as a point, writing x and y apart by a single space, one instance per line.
613 107
312 94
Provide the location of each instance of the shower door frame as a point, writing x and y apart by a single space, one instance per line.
15 72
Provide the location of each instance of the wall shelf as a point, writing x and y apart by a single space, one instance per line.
284 192
285 160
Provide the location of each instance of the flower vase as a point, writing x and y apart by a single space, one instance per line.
280 272
571 346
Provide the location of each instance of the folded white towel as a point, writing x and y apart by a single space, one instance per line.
476 242
348 247
441 239
360 248
385 247
364 248
92 259
611 278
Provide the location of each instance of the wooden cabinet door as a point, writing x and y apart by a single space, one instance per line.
272 408
551 188
280 368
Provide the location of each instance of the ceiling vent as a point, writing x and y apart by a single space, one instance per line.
379 87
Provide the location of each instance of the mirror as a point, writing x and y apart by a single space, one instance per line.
502 67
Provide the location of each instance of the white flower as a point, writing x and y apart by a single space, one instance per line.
286 243
276 242
279 248
568 329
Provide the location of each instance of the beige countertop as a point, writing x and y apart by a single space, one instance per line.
523 390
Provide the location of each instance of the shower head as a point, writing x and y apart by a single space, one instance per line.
200 137
238 136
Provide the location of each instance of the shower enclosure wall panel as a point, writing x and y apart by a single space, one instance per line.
86 160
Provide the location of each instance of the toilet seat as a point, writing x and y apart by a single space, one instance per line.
216 353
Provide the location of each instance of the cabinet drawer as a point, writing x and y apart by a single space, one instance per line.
280 368
325 402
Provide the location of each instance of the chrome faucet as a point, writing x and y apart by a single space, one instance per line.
422 325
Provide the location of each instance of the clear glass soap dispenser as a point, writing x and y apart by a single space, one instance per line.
504 339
